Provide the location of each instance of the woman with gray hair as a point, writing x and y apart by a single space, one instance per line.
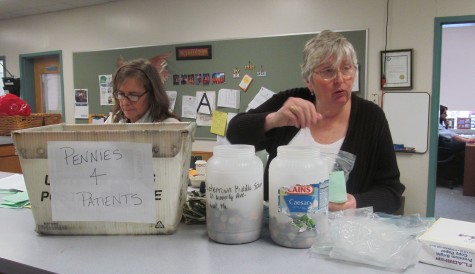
328 115
140 95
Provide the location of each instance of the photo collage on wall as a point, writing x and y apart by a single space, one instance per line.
198 79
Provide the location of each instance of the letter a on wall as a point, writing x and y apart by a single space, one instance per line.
206 101
204 105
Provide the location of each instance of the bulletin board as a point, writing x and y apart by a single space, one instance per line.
278 56
408 117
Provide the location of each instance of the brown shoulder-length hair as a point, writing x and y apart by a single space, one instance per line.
441 110
143 70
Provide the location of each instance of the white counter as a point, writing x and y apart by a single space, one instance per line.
189 250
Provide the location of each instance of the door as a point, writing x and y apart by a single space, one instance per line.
48 91
436 81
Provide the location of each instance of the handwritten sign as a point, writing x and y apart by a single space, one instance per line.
101 181
232 196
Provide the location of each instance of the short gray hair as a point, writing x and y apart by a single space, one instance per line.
325 45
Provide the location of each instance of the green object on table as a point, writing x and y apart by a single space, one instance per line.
17 200
337 187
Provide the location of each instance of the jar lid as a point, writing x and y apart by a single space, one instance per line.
298 151
234 150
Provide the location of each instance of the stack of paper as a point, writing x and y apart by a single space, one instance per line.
449 243
17 200
15 190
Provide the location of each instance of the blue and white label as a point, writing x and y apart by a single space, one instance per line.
303 198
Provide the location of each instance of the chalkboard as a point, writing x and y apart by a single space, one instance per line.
279 56
408 117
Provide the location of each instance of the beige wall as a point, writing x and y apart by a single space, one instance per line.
135 23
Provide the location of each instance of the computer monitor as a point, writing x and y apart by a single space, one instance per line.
12 85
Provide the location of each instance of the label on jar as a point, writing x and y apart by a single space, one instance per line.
303 198
300 202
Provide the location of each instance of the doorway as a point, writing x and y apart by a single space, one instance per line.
42 82
436 79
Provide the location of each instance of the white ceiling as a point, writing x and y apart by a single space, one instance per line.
18 8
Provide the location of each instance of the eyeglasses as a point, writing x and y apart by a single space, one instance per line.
347 71
131 97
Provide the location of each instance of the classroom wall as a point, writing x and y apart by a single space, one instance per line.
134 23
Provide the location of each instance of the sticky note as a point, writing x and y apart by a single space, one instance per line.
245 82
218 122
337 190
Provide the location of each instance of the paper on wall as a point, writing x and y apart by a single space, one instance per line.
105 90
205 102
218 123
188 108
172 97
222 140
263 95
229 98
205 105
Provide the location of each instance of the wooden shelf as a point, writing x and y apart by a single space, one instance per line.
9 161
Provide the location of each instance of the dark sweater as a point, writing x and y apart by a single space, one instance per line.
374 180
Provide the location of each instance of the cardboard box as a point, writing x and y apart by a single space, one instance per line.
449 243
170 159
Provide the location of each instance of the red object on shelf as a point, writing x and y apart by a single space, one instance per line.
11 105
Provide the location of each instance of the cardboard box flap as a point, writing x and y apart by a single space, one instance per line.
166 138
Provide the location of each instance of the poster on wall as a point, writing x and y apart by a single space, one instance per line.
81 104
105 90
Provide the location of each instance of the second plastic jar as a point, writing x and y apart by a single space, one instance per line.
234 191
298 196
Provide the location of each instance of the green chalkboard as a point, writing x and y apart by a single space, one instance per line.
279 56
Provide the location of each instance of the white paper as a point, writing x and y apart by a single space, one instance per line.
101 181
396 69
98 120
229 98
13 182
205 102
172 97
222 140
188 107
356 82
205 105
263 95
204 119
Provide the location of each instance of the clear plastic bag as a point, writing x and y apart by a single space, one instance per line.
378 239
344 162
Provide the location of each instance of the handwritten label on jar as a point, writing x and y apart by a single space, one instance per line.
223 197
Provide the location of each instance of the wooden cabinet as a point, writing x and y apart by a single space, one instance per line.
205 155
9 161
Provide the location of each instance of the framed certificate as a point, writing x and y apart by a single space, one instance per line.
396 69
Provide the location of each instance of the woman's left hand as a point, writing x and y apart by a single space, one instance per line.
350 203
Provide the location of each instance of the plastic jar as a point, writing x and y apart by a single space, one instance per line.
298 196
234 194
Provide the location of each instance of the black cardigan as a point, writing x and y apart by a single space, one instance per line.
374 180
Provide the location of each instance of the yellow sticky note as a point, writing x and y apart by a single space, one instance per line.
218 122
